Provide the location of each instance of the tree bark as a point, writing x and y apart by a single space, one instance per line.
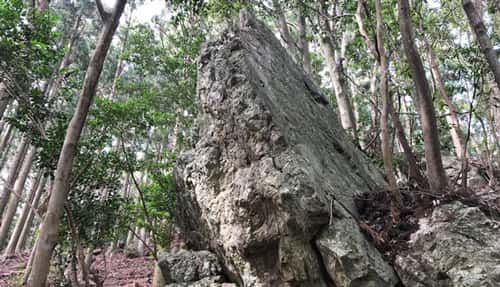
457 136
4 99
7 136
477 25
31 214
386 101
435 172
14 170
21 221
335 69
362 31
495 109
76 31
43 5
285 34
8 216
304 44
140 244
50 226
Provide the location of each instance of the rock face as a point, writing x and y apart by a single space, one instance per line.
457 246
192 268
263 184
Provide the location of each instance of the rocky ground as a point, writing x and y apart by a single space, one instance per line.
121 271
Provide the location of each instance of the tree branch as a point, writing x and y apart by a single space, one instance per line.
141 194
102 12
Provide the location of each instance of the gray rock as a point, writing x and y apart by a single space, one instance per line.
212 281
189 266
353 261
271 159
456 246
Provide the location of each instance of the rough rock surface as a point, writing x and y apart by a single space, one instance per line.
263 184
188 266
456 246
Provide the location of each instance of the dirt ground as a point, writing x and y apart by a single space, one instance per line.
118 270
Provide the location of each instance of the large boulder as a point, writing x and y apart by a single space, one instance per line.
457 246
269 185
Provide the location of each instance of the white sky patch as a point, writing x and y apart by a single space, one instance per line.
143 12
434 4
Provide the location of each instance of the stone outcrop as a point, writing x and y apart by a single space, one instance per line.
192 268
456 246
262 186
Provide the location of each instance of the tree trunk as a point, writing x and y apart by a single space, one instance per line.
304 44
141 241
119 65
50 226
29 265
362 31
285 34
10 212
31 214
21 221
384 93
158 279
43 5
7 147
495 109
76 31
435 171
457 136
14 170
335 69
477 25
4 144
4 99
129 242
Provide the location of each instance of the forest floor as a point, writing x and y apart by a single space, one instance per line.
120 270
391 236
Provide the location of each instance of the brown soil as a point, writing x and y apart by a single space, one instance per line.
118 270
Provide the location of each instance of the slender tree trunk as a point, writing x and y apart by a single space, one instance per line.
129 241
21 221
119 65
7 143
76 31
43 5
477 25
4 99
335 69
304 44
384 93
495 109
79 253
140 244
14 170
31 214
435 172
50 226
362 31
10 212
158 279
457 136
6 138
285 34
29 265
413 170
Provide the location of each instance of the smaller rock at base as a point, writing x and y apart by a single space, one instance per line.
191 268
457 246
